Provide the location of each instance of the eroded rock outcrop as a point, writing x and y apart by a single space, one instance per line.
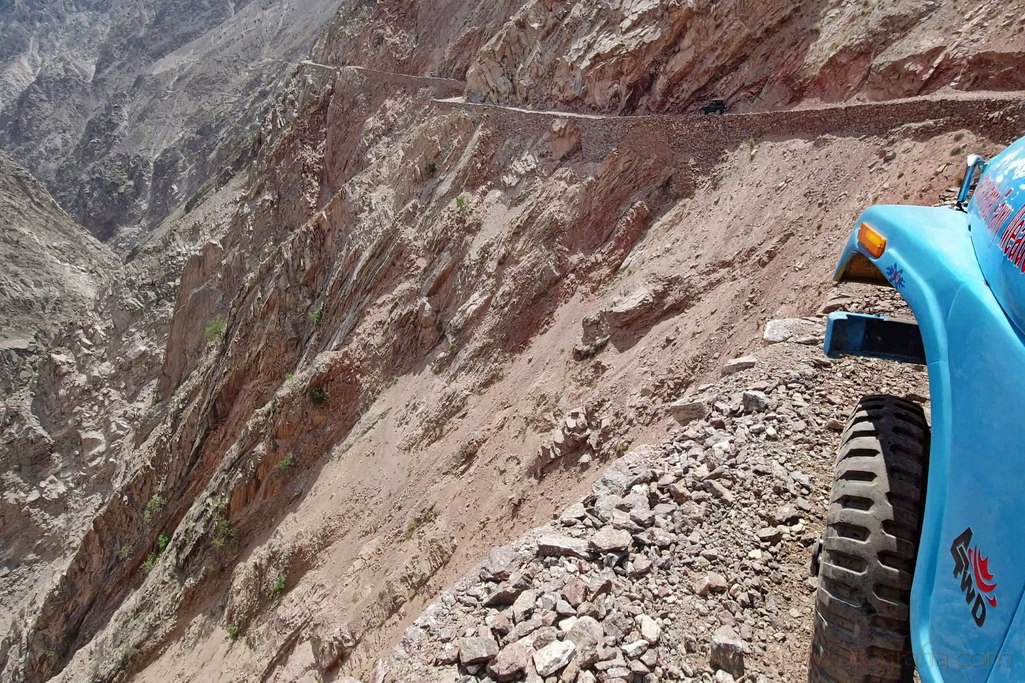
50 268
126 110
647 56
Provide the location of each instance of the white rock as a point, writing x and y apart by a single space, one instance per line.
635 649
738 364
553 657
649 628
795 330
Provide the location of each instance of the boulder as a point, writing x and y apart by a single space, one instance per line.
727 653
500 565
631 308
524 605
447 655
657 537
611 540
649 628
510 664
712 582
786 514
685 410
505 594
575 591
755 402
557 545
586 634
331 647
739 364
477 650
553 657
794 330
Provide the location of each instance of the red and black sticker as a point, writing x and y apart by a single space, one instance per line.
972 568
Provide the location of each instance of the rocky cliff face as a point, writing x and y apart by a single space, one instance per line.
125 109
648 56
418 324
50 268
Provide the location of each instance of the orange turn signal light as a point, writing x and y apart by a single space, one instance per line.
871 240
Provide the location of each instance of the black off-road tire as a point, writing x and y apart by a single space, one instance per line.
866 559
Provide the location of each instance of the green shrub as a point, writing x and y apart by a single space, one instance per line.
124 552
150 562
320 396
124 660
214 329
316 316
162 541
223 532
462 206
278 587
153 506
233 632
286 463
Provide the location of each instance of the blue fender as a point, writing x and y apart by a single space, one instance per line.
970 572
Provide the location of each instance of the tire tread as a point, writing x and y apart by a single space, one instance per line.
861 632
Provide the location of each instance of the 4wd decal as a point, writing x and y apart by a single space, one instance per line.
896 276
977 582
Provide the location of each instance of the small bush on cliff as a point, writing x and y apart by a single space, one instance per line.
223 533
286 463
153 506
124 660
233 632
316 316
420 521
320 396
151 560
591 350
214 329
278 587
462 207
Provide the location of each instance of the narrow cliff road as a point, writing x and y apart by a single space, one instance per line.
704 137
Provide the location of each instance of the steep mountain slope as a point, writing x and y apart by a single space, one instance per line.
50 267
124 109
69 432
650 56
413 330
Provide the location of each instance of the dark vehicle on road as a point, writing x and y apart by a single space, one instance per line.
717 106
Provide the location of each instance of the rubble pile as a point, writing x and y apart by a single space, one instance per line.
688 561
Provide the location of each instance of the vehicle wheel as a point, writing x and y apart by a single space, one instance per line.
866 559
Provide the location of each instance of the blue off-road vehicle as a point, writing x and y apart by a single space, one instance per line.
922 562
